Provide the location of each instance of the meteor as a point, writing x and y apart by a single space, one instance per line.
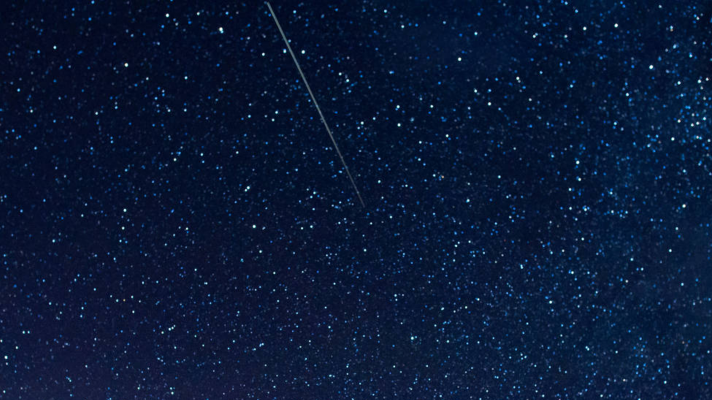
321 115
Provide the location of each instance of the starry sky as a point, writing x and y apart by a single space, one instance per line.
175 222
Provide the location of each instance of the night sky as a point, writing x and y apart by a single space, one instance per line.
175 222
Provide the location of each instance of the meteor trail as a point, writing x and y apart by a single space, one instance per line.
328 130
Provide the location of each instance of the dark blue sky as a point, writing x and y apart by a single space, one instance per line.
175 223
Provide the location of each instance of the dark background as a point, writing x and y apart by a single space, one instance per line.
174 222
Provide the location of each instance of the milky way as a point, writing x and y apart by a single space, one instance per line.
175 222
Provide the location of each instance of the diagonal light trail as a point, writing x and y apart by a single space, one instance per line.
328 130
